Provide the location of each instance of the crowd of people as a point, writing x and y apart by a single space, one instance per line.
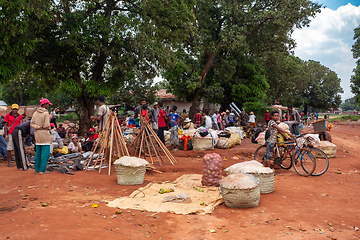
49 136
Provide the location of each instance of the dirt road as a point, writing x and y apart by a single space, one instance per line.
325 207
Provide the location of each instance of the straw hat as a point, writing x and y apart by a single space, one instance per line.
187 120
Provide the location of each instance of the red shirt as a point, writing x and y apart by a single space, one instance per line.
145 114
93 137
9 119
267 116
161 117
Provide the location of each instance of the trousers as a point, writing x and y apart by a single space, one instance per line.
20 155
41 157
174 136
3 149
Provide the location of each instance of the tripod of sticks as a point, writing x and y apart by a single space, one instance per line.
113 143
149 144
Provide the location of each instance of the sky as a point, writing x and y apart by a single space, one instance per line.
329 39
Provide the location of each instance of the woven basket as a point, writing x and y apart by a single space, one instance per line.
266 181
130 175
241 198
202 144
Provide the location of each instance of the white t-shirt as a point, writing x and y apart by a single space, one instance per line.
104 111
208 123
252 118
72 147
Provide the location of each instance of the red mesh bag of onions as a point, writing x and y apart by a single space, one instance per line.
212 164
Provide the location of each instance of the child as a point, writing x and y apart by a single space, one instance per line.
174 136
271 141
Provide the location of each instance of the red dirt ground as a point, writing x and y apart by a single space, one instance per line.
325 207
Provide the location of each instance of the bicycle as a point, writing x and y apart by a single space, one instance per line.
322 160
288 154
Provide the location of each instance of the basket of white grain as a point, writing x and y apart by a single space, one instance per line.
130 170
264 174
240 190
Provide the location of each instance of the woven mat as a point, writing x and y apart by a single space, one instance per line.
149 199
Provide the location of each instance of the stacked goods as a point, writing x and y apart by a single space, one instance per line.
202 143
240 190
224 142
212 164
264 174
328 148
130 170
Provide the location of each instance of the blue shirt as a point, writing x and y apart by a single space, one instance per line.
174 117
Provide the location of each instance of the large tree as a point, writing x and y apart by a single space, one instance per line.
321 88
223 27
92 47
355 79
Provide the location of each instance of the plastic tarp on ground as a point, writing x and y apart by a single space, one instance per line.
148 198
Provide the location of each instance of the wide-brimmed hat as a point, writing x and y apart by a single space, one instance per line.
187 120
14 106
227 111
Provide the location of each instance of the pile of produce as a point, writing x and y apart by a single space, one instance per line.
212 164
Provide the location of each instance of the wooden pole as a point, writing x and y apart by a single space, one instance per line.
111 142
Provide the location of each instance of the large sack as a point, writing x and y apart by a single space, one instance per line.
224 142
261 138
202 144
212 165
237 130
328 148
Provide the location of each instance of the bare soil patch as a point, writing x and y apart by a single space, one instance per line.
325 207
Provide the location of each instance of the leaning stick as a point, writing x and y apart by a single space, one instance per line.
105 147
152 144
141 142
111 143
102 134
148 147
122 138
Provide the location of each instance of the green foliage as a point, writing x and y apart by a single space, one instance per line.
72 117
257 107
355 79
345 118
350 104
229 36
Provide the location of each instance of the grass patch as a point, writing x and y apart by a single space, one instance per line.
72 117
345 118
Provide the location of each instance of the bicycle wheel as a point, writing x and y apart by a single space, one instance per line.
322 161
286 157
259 154
305 163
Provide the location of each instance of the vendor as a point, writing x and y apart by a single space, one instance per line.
74 146
188 124
57 141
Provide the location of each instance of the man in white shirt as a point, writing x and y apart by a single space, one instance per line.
103 113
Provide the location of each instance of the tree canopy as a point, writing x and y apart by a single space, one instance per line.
355 79
87 48
226 33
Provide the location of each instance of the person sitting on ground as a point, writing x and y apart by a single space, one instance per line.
75 146
174 121
61 131
273 128
92 138
188 124
57 141
252 121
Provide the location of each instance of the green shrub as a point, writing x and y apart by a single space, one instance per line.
72 117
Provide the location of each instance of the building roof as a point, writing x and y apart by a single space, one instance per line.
162 94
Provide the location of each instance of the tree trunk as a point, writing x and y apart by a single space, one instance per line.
305 108
195 105
85 109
